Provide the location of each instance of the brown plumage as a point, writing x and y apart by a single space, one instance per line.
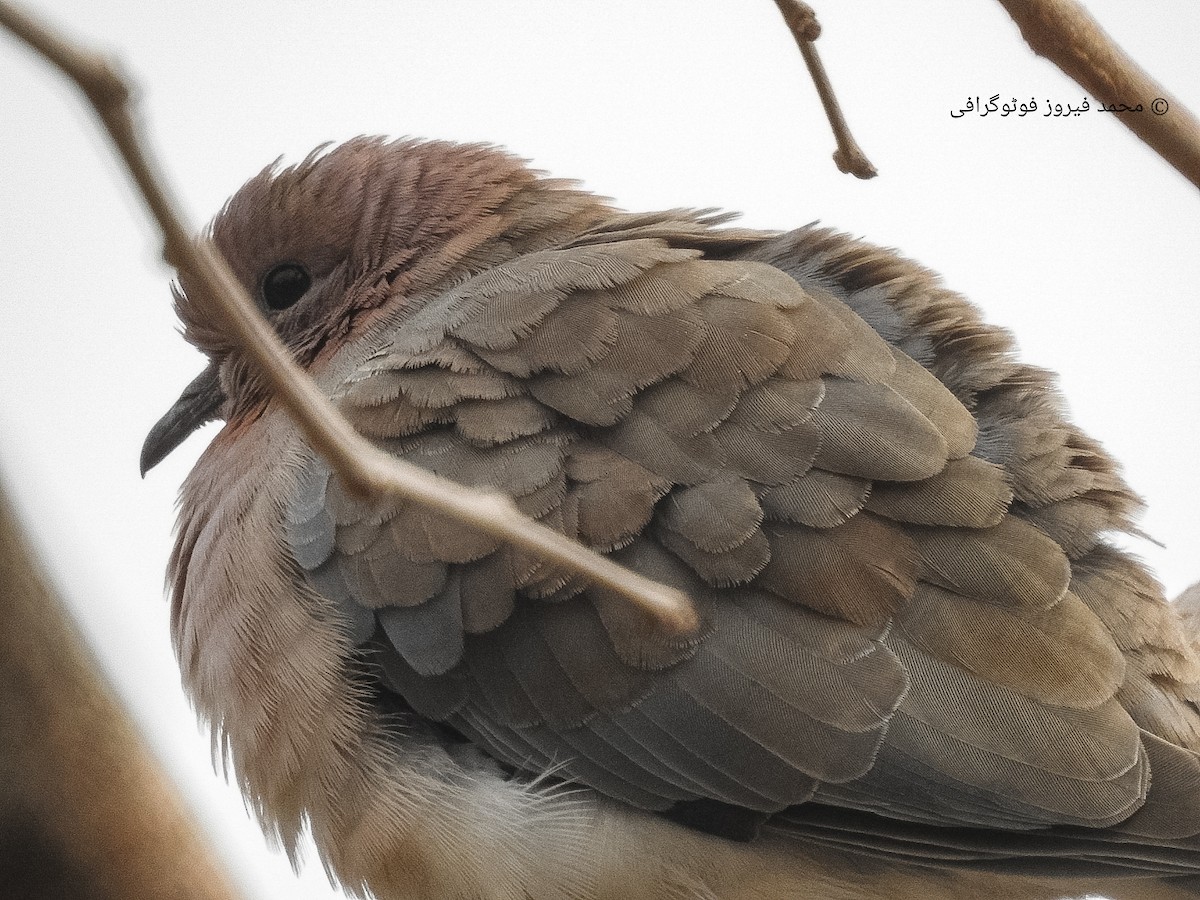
917 646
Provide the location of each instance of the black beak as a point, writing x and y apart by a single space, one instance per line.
199 403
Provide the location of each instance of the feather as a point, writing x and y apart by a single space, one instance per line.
437 697
311 542
614 496
1084 764
969 492
933 400
862 571
505 318
768 457
1032 651
645 440
579 332
865 358
817 498
488 597
429 635
743 343
735 566
667 287
870 431
380 576
648 349
735 766
500 421
686 410
778 404
749 677
1011 563
637 637
716 516
1169 812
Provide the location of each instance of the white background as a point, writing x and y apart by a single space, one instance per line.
1065 230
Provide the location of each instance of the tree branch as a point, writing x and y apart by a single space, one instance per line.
802 22
1067 35
363 468
85 809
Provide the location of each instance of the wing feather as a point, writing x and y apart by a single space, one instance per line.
895 553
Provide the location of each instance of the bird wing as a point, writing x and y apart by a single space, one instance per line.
886 629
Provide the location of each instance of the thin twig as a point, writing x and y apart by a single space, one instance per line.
363 468
802 22
1066 34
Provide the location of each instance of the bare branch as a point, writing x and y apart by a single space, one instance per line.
802 22
1066 34
79 790
363 468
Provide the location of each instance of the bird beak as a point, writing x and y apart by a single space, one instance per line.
199 403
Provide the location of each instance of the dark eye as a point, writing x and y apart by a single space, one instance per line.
284 285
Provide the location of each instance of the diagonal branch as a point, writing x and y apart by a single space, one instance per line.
802 22
363 468
1066 34
85 809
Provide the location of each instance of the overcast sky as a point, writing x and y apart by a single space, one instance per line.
1063 229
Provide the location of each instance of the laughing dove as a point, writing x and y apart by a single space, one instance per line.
918 652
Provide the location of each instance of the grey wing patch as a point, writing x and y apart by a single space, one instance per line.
426 580
429 635
737 721
1159 838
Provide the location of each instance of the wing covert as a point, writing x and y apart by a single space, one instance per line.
819 494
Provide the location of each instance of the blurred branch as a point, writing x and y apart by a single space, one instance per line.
85 810
1066 34
802 22
364 469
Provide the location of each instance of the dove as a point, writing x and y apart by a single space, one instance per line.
920 656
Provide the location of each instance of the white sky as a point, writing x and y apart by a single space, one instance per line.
1065 230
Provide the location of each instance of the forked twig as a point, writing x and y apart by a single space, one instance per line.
1067 35
802 22
363 468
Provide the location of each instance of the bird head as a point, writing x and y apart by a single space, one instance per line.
325 245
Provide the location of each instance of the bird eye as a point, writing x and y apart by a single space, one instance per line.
284 285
